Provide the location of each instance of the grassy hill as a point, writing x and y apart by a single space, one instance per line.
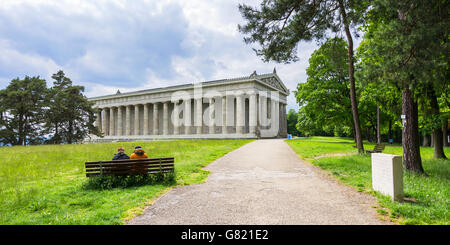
45 184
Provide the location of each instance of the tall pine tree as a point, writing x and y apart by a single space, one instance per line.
21 111
70 116
411 36
279 25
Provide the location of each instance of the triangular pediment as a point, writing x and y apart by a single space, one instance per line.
274 81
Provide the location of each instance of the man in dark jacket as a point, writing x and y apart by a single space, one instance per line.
120 154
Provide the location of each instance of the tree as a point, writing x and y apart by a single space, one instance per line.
325 96
70 116
306 125
279 25
376 97
21 111
292 118
416 53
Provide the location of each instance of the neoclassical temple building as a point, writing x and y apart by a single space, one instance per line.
246 107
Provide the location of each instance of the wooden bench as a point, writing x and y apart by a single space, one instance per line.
130 166
377 149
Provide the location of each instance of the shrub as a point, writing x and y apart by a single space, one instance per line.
112 181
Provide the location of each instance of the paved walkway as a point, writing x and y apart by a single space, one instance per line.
263 182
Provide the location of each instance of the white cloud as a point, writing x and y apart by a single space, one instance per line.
23 64
129 45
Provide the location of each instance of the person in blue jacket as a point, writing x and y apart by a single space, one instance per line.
120 154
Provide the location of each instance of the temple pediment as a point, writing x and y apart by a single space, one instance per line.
275 82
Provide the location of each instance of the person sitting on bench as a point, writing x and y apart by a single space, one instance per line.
138 153
120 154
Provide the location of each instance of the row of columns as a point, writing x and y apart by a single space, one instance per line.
107 113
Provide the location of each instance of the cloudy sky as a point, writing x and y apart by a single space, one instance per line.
107 45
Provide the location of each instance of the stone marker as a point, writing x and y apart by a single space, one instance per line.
387 175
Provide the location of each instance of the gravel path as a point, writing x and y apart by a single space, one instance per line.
263 182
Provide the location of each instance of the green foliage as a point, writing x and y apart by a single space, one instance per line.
109 182
277 26
70 116
325 96
291 119
29 111
21 111
417 48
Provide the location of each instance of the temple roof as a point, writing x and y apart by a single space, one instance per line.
270 79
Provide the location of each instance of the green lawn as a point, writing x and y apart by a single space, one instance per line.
44 184
429 196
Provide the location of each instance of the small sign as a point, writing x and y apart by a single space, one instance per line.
403 116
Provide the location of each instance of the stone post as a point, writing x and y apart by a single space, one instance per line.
119 121
199 115
166 118
145 129
224 115
136 119
127 120
387 175
155 119
187 116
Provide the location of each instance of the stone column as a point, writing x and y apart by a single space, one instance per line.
165 118
176 118
284 121
136 119
240 116
275 116
187 116
224 115
155 119
145 130
199 115
98 121
104 130
252 114
211 116
127 120
264 115
111 121
119 121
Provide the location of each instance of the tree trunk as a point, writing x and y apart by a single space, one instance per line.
410 133
368 134
432 140
70 133
444 132
378 126
437 132
20 133
358 137
426 140
390 129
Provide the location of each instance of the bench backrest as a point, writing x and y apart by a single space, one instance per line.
379 147
130 166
